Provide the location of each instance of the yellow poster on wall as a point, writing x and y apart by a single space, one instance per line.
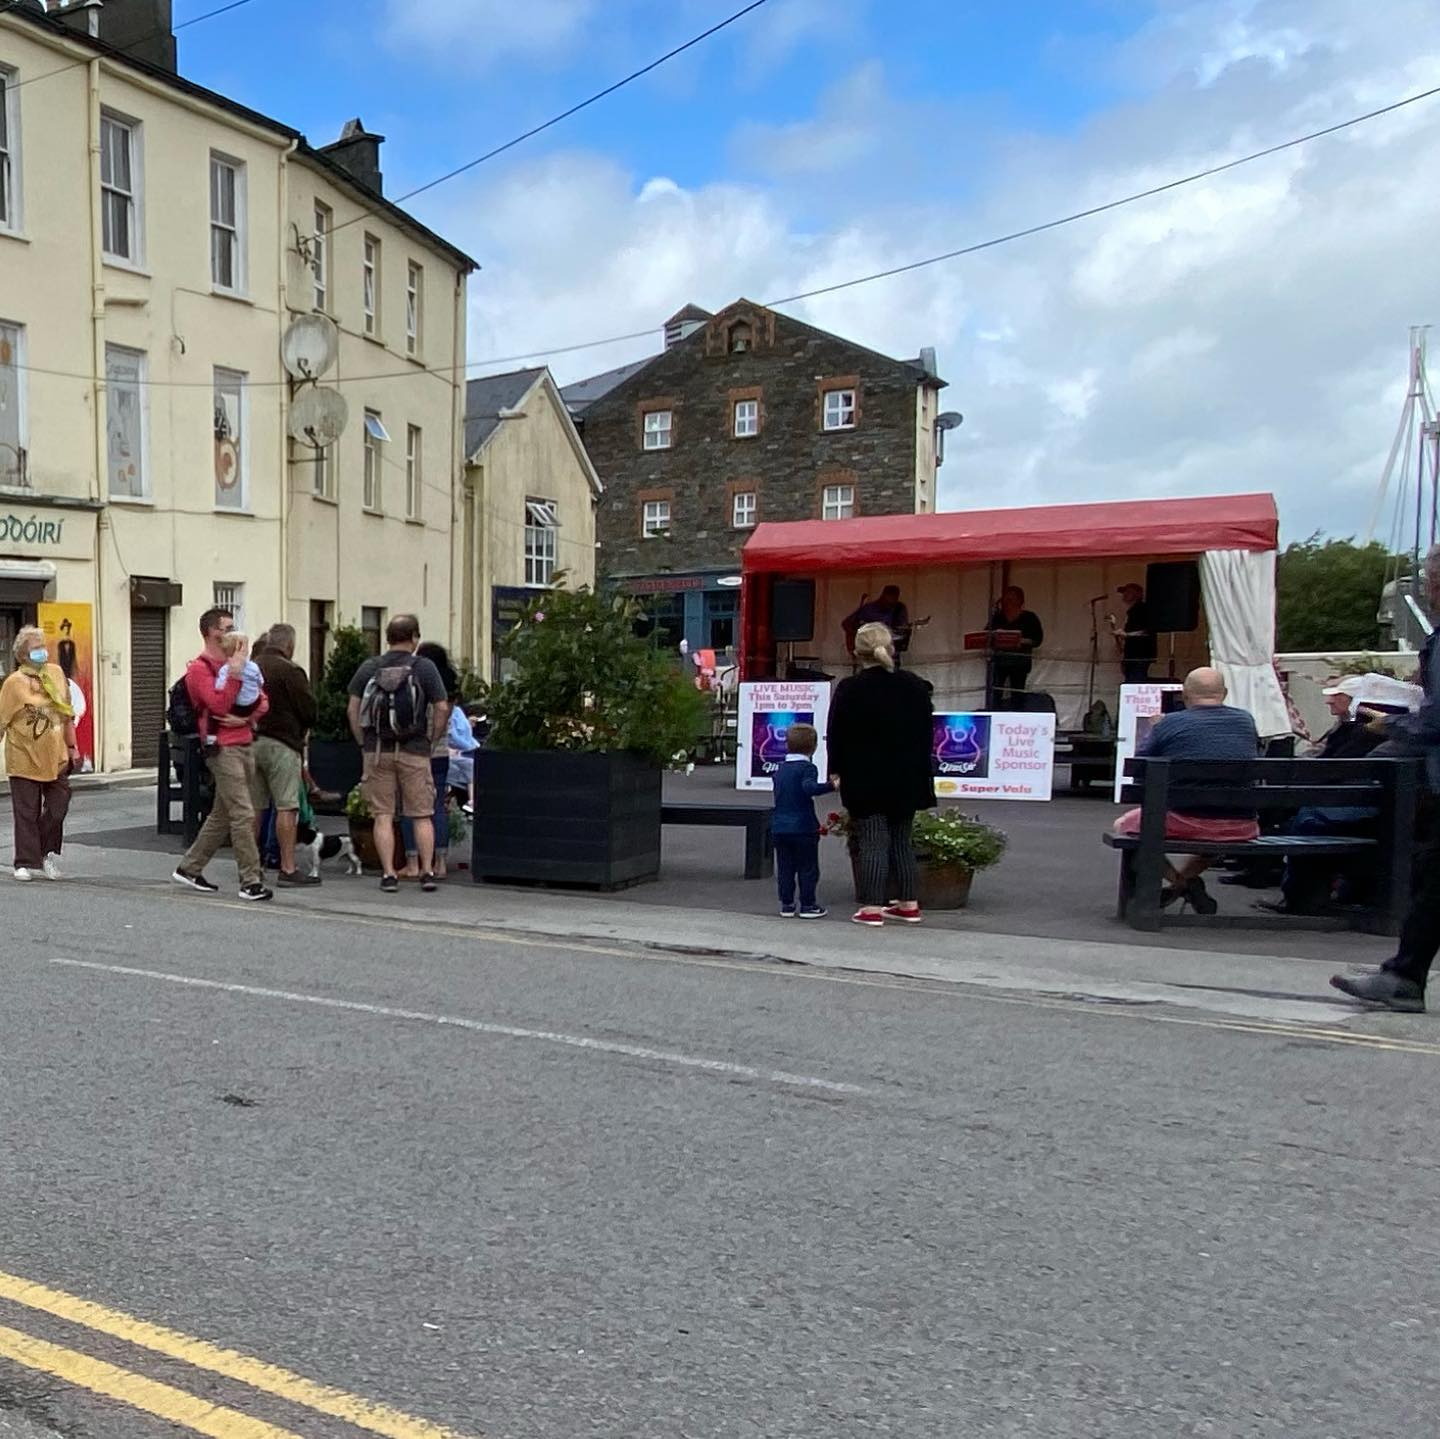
69 630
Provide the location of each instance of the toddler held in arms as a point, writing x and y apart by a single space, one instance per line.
251 680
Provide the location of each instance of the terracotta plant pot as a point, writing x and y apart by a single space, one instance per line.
362 836
942 886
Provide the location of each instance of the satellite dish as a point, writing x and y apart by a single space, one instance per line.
311 345
318 417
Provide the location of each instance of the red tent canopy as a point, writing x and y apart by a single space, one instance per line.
1043 532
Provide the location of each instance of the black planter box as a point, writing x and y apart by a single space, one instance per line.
335 764
553 817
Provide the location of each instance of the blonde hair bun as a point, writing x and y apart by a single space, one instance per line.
875 645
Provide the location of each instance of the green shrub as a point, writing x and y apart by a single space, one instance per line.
348 652
948 837
583 680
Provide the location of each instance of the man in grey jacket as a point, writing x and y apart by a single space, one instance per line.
1400 982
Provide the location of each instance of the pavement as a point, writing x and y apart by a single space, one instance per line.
527 1165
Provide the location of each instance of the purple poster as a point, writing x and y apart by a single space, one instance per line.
962 746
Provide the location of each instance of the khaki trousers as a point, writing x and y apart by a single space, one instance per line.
232 767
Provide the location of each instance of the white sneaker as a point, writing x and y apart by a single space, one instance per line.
23 875
51 867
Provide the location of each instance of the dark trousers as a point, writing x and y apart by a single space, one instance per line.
1420 937
887 859
1135 672
1009 674
797 860
439 772
40 808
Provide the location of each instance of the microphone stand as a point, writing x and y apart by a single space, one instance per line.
1094 652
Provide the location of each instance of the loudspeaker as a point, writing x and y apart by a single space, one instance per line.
1172 595
792 611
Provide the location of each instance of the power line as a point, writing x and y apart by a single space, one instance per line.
564 114
126 49
446 371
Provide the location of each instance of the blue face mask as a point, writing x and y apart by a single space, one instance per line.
38 657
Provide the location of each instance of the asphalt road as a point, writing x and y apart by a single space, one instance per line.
539 1190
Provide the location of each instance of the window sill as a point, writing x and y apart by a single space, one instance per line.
372 512
17 492
17 235
119 262
244 512
415 358
838 429
325 500
373 339
138 502
239 296
656 449
417 520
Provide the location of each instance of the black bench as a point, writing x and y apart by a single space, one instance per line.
1388 786
759 845
181 778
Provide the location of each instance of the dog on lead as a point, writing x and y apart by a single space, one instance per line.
314 848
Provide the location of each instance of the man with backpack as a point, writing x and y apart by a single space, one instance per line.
209 691
398 709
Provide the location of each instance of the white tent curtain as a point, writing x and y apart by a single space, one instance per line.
1239 591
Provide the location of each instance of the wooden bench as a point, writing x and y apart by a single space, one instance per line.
1390 787
759 844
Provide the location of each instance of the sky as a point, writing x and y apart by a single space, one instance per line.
1248 332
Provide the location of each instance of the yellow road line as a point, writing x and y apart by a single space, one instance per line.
174 1405
268 1378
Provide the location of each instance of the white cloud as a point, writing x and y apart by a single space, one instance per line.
488 31
1245 333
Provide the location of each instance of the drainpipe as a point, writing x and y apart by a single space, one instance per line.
104 673
459 496
282 210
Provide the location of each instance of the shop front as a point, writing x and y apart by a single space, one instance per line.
702 609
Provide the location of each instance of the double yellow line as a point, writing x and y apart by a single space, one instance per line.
177 1406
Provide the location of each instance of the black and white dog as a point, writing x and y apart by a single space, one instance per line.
313 848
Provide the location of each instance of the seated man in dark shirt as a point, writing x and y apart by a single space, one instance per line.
1207 728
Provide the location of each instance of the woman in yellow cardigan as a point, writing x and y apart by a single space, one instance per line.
38 726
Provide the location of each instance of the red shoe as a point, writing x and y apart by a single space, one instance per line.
873 918
905 916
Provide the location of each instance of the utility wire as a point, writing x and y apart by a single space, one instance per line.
1005 239
564 114
125 49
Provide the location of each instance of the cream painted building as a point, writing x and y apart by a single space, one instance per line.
528 505
156 242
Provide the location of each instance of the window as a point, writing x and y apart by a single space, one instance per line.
9 152
657 430
119 189
656 518
227 224
320 611
231 458
12 406
322 473
839 409
320 253
370 285
372 626
230 595
414 471
414 307
747 419
541 542
742 510
838 502
125 423
375 435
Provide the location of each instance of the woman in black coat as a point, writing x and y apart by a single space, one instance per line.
880 745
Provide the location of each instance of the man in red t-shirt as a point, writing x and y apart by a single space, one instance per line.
213 683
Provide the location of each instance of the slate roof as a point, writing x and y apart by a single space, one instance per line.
583 393
487 396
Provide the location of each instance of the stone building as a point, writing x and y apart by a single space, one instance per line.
746 416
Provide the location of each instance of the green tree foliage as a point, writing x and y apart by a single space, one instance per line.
349 650
1327 593
584 681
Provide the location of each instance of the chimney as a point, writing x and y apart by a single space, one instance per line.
139 29
683 324
357 152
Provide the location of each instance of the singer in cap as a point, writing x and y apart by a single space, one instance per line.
1136 637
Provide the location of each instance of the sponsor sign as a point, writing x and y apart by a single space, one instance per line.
994 756
767 710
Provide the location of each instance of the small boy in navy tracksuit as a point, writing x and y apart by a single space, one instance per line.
795 826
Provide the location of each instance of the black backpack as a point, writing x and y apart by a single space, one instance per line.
180 713
394 704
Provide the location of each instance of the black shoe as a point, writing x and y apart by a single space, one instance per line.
1199 898
390 883
256 893
427 883
1383 989
195 881
294 879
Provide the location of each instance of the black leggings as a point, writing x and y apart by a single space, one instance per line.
887 858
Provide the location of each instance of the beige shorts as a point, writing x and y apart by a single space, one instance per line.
398 784
278 775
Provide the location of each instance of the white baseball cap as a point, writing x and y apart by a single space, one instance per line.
1351 685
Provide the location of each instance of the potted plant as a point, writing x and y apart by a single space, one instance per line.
362 829
950 847
568 788
335 759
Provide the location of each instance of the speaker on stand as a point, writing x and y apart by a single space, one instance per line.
792 615
1172 597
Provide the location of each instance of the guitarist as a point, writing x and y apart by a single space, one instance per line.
1135 639
889 610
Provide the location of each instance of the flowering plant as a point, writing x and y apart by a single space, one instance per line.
838 822
941 837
